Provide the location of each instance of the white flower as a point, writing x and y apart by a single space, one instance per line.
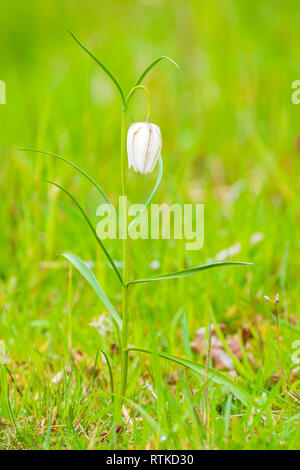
143 146
155 265
256 238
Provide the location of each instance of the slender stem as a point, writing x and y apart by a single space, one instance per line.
278 340
124 363
124 340
206 392
70 309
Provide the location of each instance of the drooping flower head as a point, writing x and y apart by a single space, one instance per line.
144 144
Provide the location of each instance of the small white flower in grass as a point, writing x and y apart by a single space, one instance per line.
222 255
57 378
102 324
155 265
143 146
235 249
275 301
231 251
256 238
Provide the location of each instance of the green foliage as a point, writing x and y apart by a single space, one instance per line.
230 140
86 272
213 375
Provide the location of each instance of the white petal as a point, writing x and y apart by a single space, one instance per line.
155 149
143 146
130 150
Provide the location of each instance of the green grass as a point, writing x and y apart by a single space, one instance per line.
230 140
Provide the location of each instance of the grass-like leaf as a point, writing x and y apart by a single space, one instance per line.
147 70
73 165
213 375
241 369
189 272
159 177
90 226
110 373
88 274
108 72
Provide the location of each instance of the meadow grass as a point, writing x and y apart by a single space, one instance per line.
230 140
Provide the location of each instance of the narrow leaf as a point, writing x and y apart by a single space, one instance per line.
147 70
159 177
88 274
91 227
213 375
189 272
48 433
111 76
74 166
110 374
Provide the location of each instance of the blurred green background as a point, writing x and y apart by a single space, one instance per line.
230 140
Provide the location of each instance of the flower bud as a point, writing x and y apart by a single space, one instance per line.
143 146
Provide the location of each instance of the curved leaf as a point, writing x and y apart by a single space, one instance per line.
159 177
147 70
213 375
91 227
73 165
88 274
111 76
189 272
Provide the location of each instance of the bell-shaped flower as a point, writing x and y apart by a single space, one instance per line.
143 146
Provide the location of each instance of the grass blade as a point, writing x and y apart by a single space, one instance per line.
48 433
159 177
227 415
110 374
108 72
213 375
249 375
189 272
91 227
88 274
147 70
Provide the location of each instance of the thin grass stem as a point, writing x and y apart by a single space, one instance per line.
70 302
124 362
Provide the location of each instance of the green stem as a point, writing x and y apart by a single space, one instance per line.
131 93
70 310
124 362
